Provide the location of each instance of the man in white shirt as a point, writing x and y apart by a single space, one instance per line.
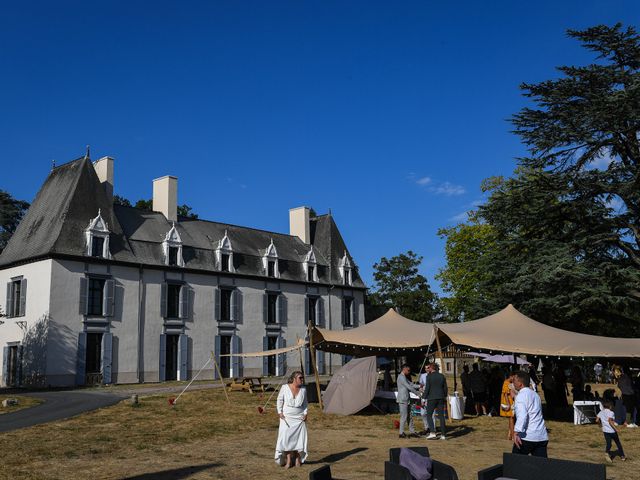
530 436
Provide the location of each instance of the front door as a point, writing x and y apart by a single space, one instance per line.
12 367
171 361
225 362
93 359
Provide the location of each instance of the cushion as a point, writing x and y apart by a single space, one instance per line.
420 467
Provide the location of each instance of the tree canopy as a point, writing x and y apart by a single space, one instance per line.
565 229
184 210
399 285
11 212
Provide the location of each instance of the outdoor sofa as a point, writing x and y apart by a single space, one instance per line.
524 467
394 471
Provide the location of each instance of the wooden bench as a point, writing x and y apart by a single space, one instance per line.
246 384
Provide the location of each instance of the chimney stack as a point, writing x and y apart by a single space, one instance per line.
299 223
104 170
165 197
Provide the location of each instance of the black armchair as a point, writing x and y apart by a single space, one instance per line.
394 471
524 467
322 473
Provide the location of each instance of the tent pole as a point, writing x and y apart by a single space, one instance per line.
312 355
455 372
224 387
438 344
300 355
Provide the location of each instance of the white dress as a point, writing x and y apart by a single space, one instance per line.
291 437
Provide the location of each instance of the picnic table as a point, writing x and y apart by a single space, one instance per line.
246 384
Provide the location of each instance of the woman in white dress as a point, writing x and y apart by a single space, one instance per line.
291 447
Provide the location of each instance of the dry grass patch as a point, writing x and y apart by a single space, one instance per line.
23 402
204 438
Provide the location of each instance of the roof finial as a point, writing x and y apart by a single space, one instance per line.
53 164
87 156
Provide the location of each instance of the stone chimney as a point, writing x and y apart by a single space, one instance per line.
165 197
104 170
299 223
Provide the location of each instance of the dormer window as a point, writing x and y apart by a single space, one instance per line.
311 266
172 248
224 254
97 237
270 261
346 269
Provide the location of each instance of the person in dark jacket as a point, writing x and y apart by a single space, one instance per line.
435 393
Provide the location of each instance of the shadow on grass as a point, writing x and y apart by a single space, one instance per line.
175 473
458 431
334 457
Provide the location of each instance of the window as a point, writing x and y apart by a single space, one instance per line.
272 308
271 268
347 277
312 311
345 268
225 305
173 300
96 296
16 298
172 248
225 262
97 237
346 315
97 247
311 273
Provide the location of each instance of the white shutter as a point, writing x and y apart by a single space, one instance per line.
183 357
108 295
23 297
81 358
162 372
107 349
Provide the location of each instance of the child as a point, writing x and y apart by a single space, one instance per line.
609 429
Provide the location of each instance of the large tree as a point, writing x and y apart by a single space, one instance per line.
399 285
11 212
567 224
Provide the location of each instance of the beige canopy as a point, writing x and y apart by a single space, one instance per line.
390 334
300 344
511 331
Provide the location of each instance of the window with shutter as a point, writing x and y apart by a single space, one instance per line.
173 300
97 246
225 304
347 304
272 300
95 301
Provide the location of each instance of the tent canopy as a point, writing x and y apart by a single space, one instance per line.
511 331
267 353
391 334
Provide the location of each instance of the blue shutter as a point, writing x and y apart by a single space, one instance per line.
216 353
307 362
20 357
183 357
81 357
265 359
282 310
108 295
236 362
265 307
23 297
9 304
216 305
234 306
320 312
106 357
320 362
306 311
354 312
239 305
183 309
162 372
84 299
281 365
5 366
163 300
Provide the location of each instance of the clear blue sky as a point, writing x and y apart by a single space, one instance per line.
389 113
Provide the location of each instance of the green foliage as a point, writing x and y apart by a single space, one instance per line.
400 286
144 205
184 210
118 200
11 212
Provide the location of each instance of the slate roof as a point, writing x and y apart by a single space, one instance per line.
72 194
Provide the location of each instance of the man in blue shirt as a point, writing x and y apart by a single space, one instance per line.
530 435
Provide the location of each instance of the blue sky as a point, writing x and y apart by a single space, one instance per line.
388 113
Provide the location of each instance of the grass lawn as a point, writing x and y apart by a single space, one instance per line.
23 402
202 437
